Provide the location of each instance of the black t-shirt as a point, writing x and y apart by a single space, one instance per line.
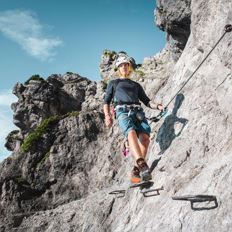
126 92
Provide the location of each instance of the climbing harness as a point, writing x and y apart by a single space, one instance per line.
227 29
128 108
135 109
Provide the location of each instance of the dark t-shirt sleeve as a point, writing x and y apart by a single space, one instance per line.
142 95
109 93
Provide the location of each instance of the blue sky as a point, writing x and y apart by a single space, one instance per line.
46 37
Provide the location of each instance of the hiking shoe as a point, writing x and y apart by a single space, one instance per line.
144 169
135 177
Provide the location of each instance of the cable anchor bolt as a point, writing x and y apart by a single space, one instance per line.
228 28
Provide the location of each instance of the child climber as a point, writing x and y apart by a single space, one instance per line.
126 96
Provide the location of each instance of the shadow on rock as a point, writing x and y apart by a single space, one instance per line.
166 133
154 164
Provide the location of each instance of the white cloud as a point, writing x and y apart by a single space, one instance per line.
6 118
6 98
3 154
24 28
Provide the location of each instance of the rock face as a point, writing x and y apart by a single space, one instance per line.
59 153
68 161
40 99
174 17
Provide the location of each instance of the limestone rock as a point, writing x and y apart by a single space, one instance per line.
174 17
62 181
40 99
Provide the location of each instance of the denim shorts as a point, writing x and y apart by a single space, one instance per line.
128 121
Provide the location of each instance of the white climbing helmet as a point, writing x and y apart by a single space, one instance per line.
121 60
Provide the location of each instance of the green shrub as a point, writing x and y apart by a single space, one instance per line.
43 159
37 134
104 83
69 73
140 73
72 114
21 181
35 77
109 53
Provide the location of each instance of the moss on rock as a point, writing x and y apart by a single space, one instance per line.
35 77
37 134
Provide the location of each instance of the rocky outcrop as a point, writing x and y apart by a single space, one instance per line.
62 150
39 99
61 178
174 17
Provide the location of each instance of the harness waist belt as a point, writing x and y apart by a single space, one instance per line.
128 107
